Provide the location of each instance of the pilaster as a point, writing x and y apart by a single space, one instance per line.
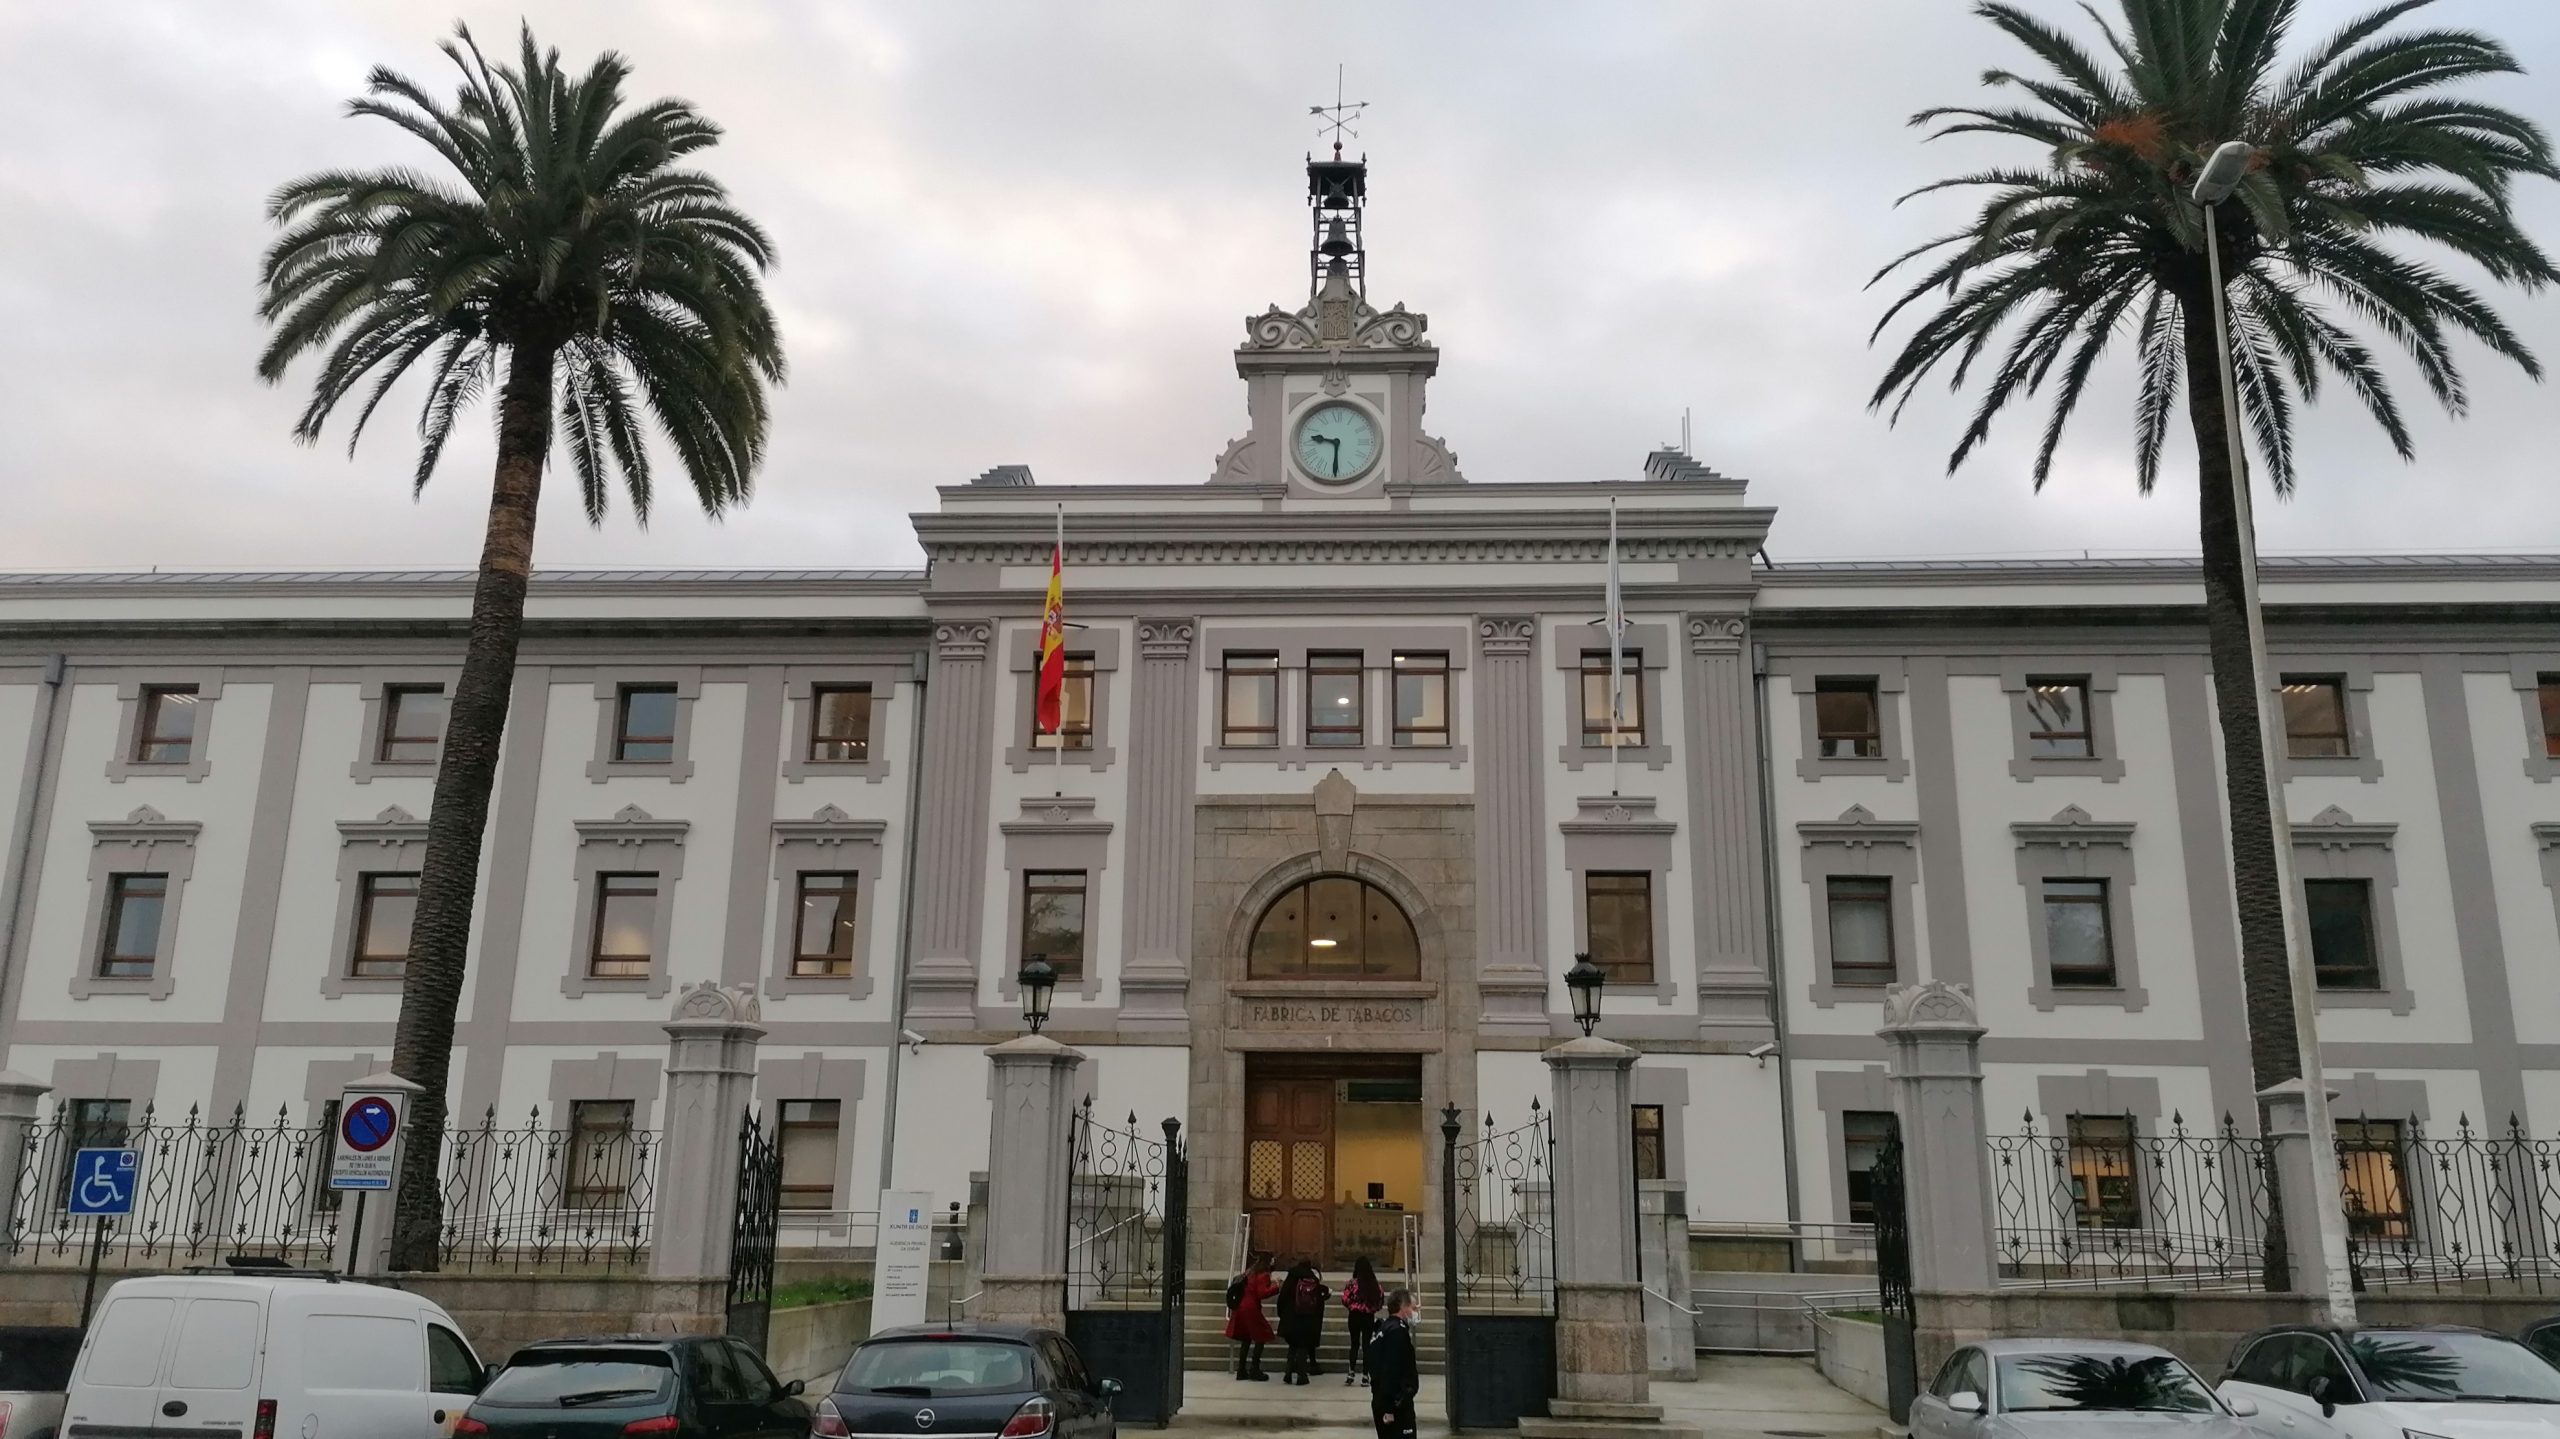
1027 1171
1164 747
1933 1065
1511 869
1725 852
711 1076
951 829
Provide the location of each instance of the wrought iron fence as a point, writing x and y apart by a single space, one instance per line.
2103 1203
1502 1216
537 1196
1119 1185
2472 1210
206 1189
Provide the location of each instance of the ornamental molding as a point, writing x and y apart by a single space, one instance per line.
1531 549
712 1002
2334 828
2072 828
391 828
1506 635
144 825
1617 815
632 826
831 827
1437 464
1352 322
1932 1004
1858 828
1166 639
968 639
1716 634
1235 463
1065 814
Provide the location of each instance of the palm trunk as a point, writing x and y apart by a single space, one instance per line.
2265 977
440 938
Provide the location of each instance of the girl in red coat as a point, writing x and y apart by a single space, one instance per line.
1245 1322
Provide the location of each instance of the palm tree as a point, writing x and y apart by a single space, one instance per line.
571 260
2358 144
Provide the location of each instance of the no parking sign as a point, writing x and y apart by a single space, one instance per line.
368 1151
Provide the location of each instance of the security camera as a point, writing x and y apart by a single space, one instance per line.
913 1040
1761 1052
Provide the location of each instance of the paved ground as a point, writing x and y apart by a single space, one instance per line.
1731 1399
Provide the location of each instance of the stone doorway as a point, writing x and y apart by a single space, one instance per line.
1334 1158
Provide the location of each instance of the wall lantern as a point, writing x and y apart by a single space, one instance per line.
1583 982
1039 980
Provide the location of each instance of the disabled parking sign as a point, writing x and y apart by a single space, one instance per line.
367 1153
102 1182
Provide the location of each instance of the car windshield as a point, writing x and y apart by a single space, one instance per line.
2050 1383
2461 1368
36 1360
933 1368
572 1378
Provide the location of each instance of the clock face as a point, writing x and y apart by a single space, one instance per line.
1337 442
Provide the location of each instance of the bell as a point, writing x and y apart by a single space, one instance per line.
1337 242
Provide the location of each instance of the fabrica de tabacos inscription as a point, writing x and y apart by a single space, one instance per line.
1333 1014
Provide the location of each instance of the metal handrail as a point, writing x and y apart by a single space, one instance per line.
1239 1239
1674 1303
1409 1230
1104 1232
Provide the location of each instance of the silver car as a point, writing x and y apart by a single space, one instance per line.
2072 1389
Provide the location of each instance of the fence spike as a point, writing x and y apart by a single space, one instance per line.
1133 1119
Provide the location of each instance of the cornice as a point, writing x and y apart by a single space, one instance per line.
2072 829
1857 826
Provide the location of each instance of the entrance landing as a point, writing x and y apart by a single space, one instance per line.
1732 1398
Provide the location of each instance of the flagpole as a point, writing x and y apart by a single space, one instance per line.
1617 660
1058 756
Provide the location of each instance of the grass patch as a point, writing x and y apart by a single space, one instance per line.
1862 1316
801 1293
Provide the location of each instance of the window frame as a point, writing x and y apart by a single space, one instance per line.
1075 722
1068 973
1633 732
1806 673
586 1145
126 886
846 924
1620 884
785 1127
1882 897
1857 845
1637 1135
2040 729
1254 971
2399 1221
2090 1206
357 957
143 842
1323 665
1852 1145
632 842
1870 739
2369 922
2073 846
814 738
2344 737
624 739
1419 736
387 740
600 900
613 690
122 764
153 702
2096 896
1264 666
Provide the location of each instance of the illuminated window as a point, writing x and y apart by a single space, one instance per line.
2315 718
2058 719
1335 927
386 905
839 724
626 926
1334 683
2103 1190
2371 1161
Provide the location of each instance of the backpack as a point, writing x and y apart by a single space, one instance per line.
1308 1296
1235 1292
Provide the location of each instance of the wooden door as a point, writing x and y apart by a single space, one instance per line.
1288 1166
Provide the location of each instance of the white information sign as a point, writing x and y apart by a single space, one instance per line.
906 1258
367 1154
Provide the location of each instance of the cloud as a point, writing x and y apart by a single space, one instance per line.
1014 231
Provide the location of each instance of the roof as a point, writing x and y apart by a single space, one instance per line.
73 579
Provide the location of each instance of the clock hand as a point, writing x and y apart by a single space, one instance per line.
1336 442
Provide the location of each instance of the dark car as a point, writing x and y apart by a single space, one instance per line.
683 1386
1009 1380
2542 1336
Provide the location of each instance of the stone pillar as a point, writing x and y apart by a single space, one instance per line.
364 1216
951 829
1027 1169
1511 827
1164 761
1601 1354
711 1076
1725 855
1933 1064
21 1105
1671 1334
2298 1176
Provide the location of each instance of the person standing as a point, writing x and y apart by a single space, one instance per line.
1246 1324
1361 1301
1395 1374
1303 1299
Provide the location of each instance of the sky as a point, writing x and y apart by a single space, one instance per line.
1029 232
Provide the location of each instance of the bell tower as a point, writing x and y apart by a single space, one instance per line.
1333 389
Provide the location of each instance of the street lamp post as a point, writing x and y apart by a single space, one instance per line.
1038 980
2223 173
1583 982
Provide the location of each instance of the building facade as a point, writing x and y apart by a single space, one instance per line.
1339 795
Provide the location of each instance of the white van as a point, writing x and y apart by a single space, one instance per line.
242 1356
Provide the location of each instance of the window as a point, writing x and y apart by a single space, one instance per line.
1597 732
602 1158
2102 1180
1053 920
1847 720
1967 1372
135 903
823 948
1422 700
386 905
1075 707
412 724
2547 692
1334 682
645 724
2342 949
2377 1188
1334 927
1646 1120
2315 718
451 1366
808 1141
2058 719
1863 1135
626 926
1861 914
839 724
95 1124
165 732
2077 940
1249 701
1618 925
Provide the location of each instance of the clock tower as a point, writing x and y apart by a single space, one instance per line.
1333 389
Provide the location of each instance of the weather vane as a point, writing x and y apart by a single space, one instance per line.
1338 116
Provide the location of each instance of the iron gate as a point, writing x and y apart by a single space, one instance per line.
1498 1270
1893 1276
751 1233
1126 1237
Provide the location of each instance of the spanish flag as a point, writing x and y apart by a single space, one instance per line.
1053 637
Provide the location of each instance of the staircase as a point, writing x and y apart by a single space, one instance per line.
1205 1346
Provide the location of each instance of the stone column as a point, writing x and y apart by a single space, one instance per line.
1724 833
21 1105
2298 1175
711 1076
364 1216
1164 760
1027 1169
1601 1353
1511 831
951 829
1933 1064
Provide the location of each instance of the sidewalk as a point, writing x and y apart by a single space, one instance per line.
1733 1398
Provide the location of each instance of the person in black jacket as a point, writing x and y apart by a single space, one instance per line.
1395 1379
1303 1299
